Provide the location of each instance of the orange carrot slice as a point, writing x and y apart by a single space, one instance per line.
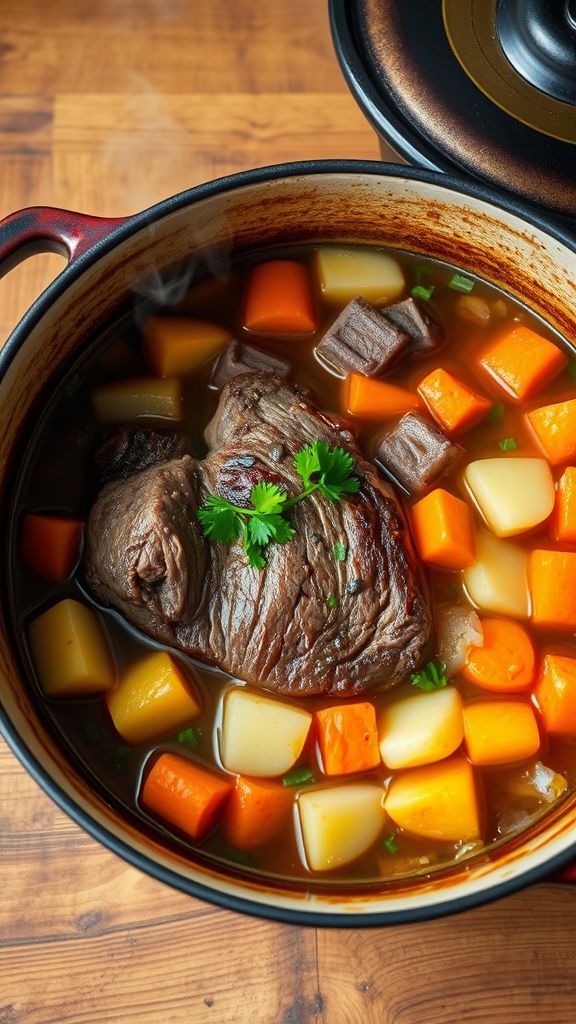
184 795
51 545
523 362
564 515
178 345
348 738
555 430
454 404
256 811
443 530
370 399
500 732
279 298
552 580
555 693
505 661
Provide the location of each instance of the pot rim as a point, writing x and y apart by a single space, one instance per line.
310 918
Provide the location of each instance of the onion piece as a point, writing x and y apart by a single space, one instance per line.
457 628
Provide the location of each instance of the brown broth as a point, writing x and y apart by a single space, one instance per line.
57 476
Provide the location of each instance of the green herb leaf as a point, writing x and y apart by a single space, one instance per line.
496 413
267 498
421 291
332 601
390 844
461 283
322 468
571 369
508 444
307 462
189 737
431 677
340 552
300 776
220 520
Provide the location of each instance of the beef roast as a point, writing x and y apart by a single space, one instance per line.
306 624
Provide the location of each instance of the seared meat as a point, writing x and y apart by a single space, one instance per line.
275 628
130 449
363 340
416 452
425 333
238 358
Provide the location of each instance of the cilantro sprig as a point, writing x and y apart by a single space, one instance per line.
322 468
431 677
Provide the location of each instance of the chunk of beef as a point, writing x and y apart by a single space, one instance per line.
274 628
416 452
425 333
128 450
362 340
238 358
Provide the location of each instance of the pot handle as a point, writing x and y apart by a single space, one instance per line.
39 229
567 876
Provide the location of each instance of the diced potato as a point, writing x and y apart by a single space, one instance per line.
421 729
458 627
344 274
513 495
139 398
437 801
261 736
154 696
178 345
498 580
70 651
340 823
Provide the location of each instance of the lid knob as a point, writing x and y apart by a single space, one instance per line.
539 39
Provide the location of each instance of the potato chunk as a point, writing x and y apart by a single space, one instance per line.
261 736
124 401
340 823
513 495
420 729
437 801
344 274
70 651
154 696
498 579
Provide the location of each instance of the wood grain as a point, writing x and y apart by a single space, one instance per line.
108 107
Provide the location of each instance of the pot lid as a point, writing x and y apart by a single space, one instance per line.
487 87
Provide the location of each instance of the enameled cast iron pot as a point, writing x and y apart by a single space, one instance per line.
423 212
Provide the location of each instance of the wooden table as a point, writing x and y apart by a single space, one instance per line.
107 106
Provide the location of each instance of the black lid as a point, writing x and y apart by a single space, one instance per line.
484 87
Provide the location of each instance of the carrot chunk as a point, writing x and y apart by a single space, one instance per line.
454 404
184 795
555 693
505 661
552 579
177 345
523 362
555 430
370 399
348 738
255 812
500 732
279 298
443 530
564 515
51 545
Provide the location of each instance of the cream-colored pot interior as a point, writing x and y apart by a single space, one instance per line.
405 212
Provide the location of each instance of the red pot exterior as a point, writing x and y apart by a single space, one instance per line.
347 202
